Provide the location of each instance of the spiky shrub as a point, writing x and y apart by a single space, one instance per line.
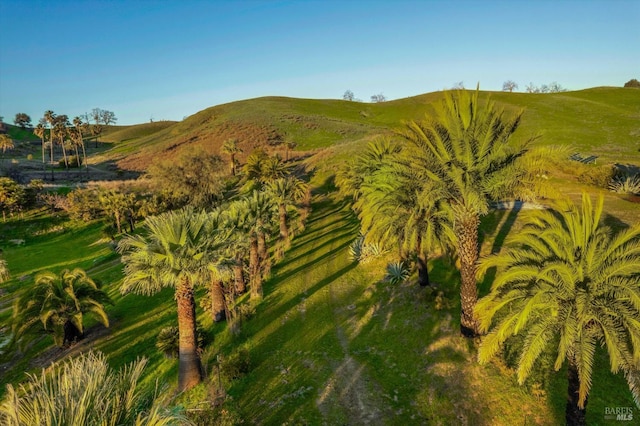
362 252
86 391
397 273
236 365
168 340
625 185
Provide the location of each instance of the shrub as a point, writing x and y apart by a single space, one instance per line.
632 83
362 252
168 340
235 365
599 176
83 204
72 161
397 273
85 391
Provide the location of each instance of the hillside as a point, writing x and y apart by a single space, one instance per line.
331 342
600 121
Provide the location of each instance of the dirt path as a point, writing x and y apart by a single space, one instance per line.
350 387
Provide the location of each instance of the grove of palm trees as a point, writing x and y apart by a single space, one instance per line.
433 260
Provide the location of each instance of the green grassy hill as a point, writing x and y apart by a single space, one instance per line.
331 343
599 121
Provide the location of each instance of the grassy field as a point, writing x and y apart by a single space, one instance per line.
332 343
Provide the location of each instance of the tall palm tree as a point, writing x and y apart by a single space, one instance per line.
57 303
61 132
567 283
230 147
175 252
286 192
40 131
77 136
468 151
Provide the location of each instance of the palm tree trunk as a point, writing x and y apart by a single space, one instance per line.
233 164
574 415
284 229
467 233
254 268
189 369
239 277
71 333
423 271
218 306
263 254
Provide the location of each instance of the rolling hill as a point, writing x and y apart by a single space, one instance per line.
600 121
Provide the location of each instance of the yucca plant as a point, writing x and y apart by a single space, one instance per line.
625 185
397 273
86 391
362 252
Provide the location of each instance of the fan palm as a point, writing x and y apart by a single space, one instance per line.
175 252
286 192
230 147
466 150
567 283
57 304
5 143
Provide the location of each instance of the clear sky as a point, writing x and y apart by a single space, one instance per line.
166 60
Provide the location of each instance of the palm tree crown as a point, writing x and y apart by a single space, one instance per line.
566 281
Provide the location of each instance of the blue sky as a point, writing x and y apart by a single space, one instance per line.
170 59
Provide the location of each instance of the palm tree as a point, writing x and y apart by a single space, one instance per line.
77 136
467 150
86 391
58 304
40 132
567 283
398 206
230 147
50 120
175 252
288 145
61 131
5 143
286 192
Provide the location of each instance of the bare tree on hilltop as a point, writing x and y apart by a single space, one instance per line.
101 119
509 86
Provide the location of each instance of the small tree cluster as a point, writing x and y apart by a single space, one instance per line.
632 83
378 98
545 88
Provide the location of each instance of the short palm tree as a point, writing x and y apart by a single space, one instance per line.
398 206
567 283
467 150
175 252
57 304
230 147
86 391
5 143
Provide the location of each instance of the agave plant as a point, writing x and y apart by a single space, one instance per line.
397 273
362 252
625 184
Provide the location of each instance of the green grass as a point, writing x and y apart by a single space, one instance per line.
331 343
